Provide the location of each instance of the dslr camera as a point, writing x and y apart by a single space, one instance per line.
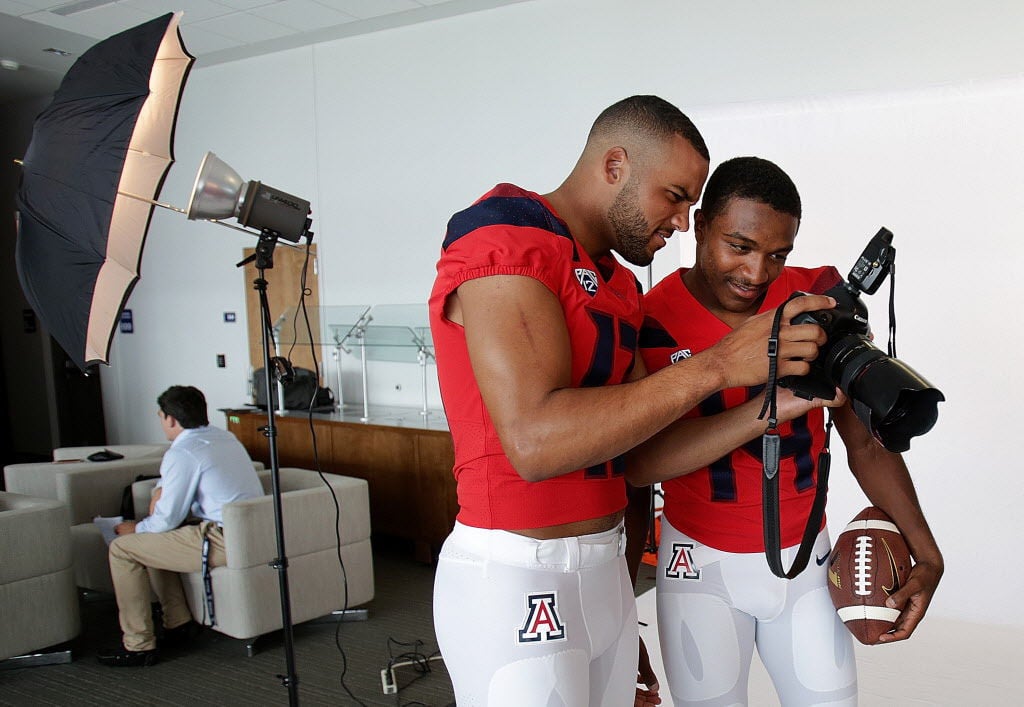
892 400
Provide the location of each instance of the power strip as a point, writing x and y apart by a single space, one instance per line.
387 675
387 682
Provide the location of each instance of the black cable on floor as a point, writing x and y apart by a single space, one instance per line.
304 291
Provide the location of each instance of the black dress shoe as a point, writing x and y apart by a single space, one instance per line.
179 635
121 657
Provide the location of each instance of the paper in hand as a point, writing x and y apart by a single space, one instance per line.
106 526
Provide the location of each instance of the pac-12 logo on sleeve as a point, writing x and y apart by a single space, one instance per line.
542 620
588 280
680 355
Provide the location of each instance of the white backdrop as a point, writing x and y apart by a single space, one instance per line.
388 134
941 169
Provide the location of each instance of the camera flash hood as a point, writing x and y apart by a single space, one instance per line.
894 402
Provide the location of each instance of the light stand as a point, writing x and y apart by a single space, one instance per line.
218 193
264 257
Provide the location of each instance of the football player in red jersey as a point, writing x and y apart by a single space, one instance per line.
716 594
535 327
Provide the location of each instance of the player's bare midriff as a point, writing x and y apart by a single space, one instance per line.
579 527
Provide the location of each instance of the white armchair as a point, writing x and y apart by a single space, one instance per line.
89 489
128 451
38 603
246 590
40 479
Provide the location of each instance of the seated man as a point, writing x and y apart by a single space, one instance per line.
205 468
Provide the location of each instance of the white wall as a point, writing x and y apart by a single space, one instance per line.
899 116
913 161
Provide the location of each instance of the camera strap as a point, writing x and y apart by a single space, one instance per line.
892 305
770 452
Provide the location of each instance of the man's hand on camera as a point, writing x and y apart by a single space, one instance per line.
792 406
743 353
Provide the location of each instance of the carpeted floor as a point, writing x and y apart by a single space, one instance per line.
216 671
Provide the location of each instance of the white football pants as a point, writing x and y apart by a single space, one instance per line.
714 606
523 622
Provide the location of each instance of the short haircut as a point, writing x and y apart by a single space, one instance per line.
648 116
751 178
185 404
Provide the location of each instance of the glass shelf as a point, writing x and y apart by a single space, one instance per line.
389 332
398 333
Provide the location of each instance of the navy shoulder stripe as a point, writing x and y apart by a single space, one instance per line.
503 211
654 336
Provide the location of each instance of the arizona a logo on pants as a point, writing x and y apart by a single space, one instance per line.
681 565
542 620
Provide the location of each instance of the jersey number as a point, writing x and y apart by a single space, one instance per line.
795 445
600 372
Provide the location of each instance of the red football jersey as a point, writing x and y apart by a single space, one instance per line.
510 231
720 505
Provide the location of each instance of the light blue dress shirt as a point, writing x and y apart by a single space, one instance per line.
204 468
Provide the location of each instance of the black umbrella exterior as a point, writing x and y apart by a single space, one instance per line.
107 137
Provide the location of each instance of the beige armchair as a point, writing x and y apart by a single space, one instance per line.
246 590
41 479
38 603
89 489
128 451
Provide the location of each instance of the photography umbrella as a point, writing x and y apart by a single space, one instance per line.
106 137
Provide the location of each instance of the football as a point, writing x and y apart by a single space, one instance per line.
869 562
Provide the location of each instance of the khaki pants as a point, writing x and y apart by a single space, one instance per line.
139 561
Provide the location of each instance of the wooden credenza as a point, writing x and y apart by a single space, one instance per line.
406 461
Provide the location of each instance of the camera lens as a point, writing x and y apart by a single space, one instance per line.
848 357
891 399
894 402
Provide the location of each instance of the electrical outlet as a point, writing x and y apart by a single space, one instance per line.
387 682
